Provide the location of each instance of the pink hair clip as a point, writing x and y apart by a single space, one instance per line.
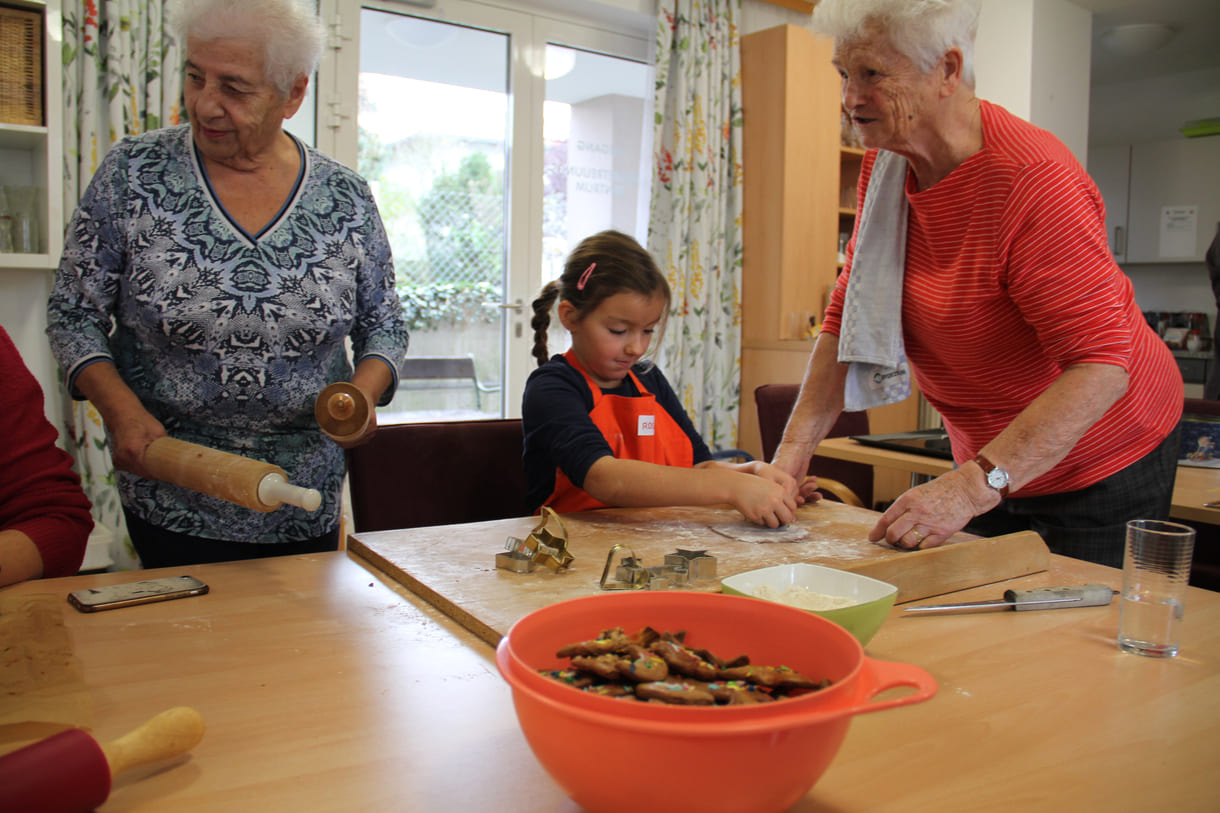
584 278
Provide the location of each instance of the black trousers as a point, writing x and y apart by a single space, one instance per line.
1091 523
158 547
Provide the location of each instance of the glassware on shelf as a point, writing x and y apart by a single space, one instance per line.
23 202
6 223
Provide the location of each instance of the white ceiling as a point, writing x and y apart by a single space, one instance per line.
1196 46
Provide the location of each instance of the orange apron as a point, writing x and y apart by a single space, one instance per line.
636 428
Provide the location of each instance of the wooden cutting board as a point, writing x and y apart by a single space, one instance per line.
453 566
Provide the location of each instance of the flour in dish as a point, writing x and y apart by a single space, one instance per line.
802 597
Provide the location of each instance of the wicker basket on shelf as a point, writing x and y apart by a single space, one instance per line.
20 66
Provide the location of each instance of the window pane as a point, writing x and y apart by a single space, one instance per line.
433 140
595 169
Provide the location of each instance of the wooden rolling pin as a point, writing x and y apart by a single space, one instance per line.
241 480
342 411
71 772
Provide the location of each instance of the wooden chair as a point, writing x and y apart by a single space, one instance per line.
1200 406
775 402
416 474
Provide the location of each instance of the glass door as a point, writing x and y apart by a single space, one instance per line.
493 140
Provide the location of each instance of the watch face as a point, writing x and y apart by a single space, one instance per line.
997 478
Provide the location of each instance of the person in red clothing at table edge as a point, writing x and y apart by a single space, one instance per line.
44 515
979 263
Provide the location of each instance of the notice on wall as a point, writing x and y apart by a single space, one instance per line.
1179 230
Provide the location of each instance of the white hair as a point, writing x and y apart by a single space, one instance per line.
289 31
921 30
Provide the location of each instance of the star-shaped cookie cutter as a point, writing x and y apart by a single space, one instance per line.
678 570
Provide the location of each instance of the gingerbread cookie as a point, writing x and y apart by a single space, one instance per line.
654 667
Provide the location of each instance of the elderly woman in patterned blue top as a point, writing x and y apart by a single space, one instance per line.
211 276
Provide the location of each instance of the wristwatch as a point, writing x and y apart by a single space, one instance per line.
996 478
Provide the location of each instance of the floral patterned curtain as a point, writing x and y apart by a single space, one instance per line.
115 84
695 220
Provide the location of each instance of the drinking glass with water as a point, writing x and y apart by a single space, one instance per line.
1156 574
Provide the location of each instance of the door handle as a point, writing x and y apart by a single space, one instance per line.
1120 240
517 306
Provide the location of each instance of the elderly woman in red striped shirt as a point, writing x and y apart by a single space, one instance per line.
979 267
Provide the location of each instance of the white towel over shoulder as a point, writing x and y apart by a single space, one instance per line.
870 339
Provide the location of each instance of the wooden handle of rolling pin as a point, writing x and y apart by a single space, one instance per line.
169 734
241 480
342 411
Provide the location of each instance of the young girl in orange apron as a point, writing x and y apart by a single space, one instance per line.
636 429
611 297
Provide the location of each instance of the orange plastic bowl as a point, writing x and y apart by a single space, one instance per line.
615 755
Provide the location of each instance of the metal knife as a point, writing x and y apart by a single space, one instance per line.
1043 598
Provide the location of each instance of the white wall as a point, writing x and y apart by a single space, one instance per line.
1032 57
23 313
1003 54
1060 72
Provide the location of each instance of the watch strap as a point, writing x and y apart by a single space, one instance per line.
987 466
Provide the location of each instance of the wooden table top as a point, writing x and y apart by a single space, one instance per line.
1034 707
1192 487
325 686
454 567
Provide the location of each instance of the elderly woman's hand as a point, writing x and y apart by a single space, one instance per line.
371 377
792 460
131 433
795 463
927 515
365 435
767 471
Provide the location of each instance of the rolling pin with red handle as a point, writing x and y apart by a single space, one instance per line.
241 480
71 772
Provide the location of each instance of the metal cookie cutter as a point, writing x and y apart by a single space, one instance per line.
631 574
542 546
698 563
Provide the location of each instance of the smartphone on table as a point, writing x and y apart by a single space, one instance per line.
113 596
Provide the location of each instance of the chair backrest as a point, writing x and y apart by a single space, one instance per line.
415 474
443 372
438 367
1201 406
775 402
